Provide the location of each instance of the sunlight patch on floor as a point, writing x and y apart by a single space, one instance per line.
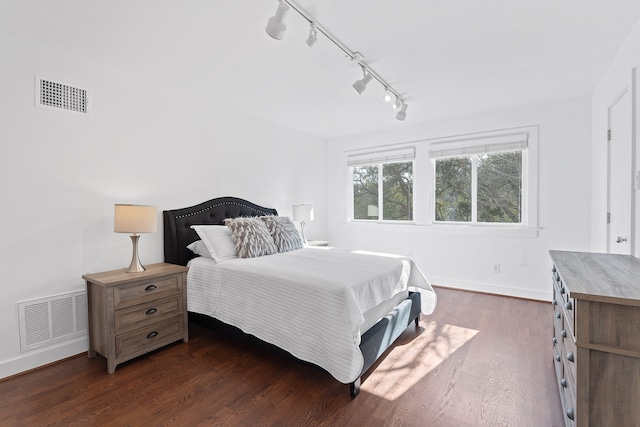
410 362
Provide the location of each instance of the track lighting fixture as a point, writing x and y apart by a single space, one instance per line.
276 26
313 35
276 29
402 114
361 85
387 95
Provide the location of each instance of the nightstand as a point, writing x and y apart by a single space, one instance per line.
131 314
317 243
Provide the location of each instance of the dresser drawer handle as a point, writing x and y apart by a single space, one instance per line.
558 315
151 288
563 382
562 291
570 414
570 357
152 334
151 311
563 333
568 306
555 340
557 357
554 302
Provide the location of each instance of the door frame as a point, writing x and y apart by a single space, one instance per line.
632 226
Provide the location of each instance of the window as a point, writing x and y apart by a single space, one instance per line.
382 184
483 183
480 180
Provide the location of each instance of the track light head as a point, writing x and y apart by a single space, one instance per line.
402 114
361 85
276 26
387 95
313 35
397 104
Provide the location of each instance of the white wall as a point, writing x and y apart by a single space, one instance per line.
145 143
465 260
617 78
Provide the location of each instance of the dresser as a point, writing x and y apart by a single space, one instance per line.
596 337
131 314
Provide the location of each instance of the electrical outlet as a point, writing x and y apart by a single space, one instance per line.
496 268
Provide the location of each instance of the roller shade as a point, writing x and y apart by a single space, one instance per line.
479 145
373 157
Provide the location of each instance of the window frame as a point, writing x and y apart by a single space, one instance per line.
473 143
474 192
424 185
380 158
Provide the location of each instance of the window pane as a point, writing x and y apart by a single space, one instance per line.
453 189
500 187
365 192
397 189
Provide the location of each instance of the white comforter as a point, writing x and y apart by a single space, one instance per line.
309 302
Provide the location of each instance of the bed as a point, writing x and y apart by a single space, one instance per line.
334 308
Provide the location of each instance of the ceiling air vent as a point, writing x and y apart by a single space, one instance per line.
61 96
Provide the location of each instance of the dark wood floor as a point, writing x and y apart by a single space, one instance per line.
480 360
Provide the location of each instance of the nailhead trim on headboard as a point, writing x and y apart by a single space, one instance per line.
219 204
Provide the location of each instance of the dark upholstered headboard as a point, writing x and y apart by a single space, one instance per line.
177 223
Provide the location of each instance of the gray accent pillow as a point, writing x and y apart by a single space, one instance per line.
251 237
284 232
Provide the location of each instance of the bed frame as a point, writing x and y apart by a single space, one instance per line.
178 234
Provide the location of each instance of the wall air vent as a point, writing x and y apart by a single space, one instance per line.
50 320
61 96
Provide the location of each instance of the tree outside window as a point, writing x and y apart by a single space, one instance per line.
483 188
385 188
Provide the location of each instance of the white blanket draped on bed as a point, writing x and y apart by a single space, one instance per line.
309 302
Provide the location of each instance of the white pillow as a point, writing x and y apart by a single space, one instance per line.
218 240
199 248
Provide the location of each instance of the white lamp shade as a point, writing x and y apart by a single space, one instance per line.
134 219
303 213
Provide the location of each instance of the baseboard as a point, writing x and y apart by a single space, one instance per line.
44 356
492 289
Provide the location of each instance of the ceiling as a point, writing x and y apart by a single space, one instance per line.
447 58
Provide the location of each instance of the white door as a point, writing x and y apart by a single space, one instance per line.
620 181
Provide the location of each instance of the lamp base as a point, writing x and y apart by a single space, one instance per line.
135 266
304 239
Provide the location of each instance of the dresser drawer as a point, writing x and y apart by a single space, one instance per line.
138 316
139 292
150 337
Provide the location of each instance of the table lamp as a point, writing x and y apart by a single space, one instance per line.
134 219
303 213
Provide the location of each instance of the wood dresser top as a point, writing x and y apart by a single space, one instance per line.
117 277
600 277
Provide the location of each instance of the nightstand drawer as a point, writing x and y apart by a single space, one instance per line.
138 316
150 337
139 292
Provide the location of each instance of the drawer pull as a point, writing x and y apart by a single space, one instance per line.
151 311
553 269
555 340
557 357
554 302
563 333
563 382
570 414
562 291
558 315
151 288
152 334
568 306
570 357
